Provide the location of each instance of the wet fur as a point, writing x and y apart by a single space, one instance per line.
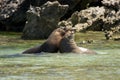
50 45
68 45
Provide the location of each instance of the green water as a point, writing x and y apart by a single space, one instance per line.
16 66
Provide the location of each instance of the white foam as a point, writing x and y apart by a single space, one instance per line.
83 49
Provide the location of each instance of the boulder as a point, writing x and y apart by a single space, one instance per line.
112 19
97 18
112 4
88 19
71 3
114 33
13 14
41 21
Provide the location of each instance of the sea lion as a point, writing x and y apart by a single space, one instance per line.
68 45
51 44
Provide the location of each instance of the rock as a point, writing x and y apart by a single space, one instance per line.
112 24
12 13
108 35
43 20
65 24
98 15
77 5
88 19
113 34
111 20
117 39
97 18
112 4
74 5
71 3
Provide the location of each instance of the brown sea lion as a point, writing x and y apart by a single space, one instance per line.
68 45
50 45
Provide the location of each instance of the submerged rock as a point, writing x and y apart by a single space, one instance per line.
43 20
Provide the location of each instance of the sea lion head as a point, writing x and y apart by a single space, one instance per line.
61 31
69 33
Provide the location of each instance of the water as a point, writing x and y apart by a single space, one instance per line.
60 66
16 66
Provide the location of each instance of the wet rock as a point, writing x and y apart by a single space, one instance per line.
113 34
117 39
87 41
112 20
43 20
112 24
108 35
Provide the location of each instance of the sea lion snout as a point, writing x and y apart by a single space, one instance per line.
68 45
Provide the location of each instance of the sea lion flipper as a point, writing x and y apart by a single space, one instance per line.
32 50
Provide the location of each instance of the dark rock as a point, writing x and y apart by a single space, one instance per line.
43 20
71 3
13 13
